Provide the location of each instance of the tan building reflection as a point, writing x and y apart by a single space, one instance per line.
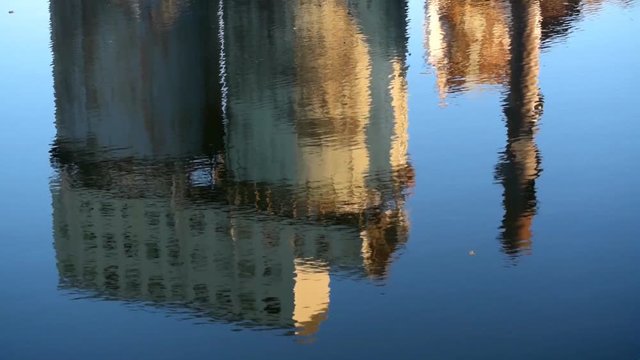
468 43
472 44
228 160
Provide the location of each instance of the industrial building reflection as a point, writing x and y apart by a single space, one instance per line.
228 159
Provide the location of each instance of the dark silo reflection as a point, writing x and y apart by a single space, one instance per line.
226 160
136 78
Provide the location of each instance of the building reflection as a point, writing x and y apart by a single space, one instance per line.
472 44
228 159
468 42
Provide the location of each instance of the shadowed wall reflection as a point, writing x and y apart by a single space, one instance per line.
225 160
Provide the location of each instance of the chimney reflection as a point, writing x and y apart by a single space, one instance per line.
234 204
496 42
520 162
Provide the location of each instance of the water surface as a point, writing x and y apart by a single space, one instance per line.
320 179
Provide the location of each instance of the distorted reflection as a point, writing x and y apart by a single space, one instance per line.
519 166
472 44
229 158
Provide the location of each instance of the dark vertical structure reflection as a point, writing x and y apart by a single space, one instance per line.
226 159
471 44
520 163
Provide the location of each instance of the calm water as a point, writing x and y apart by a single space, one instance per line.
341 179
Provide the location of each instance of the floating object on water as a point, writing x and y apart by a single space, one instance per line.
472 253
10 11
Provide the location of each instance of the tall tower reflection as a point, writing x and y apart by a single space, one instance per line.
520 163
498 42
236 204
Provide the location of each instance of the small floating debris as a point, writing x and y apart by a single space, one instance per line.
472 253
11 11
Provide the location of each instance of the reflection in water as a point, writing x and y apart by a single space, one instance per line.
121 83
468 42
520 162
498 42
237 201
336 139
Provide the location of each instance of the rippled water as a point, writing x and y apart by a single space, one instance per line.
320 179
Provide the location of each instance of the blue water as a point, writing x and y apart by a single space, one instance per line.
339 179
